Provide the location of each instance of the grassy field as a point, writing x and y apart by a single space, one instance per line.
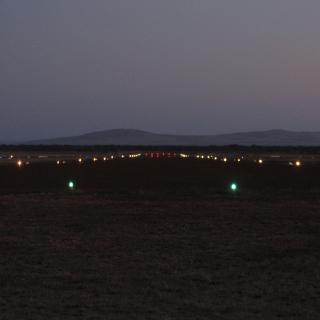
163 239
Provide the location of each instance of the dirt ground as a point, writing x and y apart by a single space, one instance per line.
162 250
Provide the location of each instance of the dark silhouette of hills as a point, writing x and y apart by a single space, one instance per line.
144 138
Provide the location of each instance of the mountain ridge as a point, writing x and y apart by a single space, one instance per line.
274 137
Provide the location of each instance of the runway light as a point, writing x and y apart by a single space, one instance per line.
104 159
260 161
80 160
225 159
238 159
298 163
233 187
95 159
19 163
71 185
58 162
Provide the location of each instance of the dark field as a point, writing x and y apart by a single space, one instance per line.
160 239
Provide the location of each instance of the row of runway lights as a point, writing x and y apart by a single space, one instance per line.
94 159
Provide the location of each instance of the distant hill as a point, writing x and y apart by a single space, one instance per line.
139 137
4 142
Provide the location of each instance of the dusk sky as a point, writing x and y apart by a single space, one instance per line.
169 66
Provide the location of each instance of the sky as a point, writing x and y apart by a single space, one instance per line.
172 66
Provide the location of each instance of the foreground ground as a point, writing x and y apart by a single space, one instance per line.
162 252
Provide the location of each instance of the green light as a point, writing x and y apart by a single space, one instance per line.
71 185
233 187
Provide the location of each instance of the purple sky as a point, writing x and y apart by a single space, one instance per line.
169 66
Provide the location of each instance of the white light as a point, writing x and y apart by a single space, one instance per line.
71 185
233 187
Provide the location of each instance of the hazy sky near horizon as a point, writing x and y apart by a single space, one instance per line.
168 66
